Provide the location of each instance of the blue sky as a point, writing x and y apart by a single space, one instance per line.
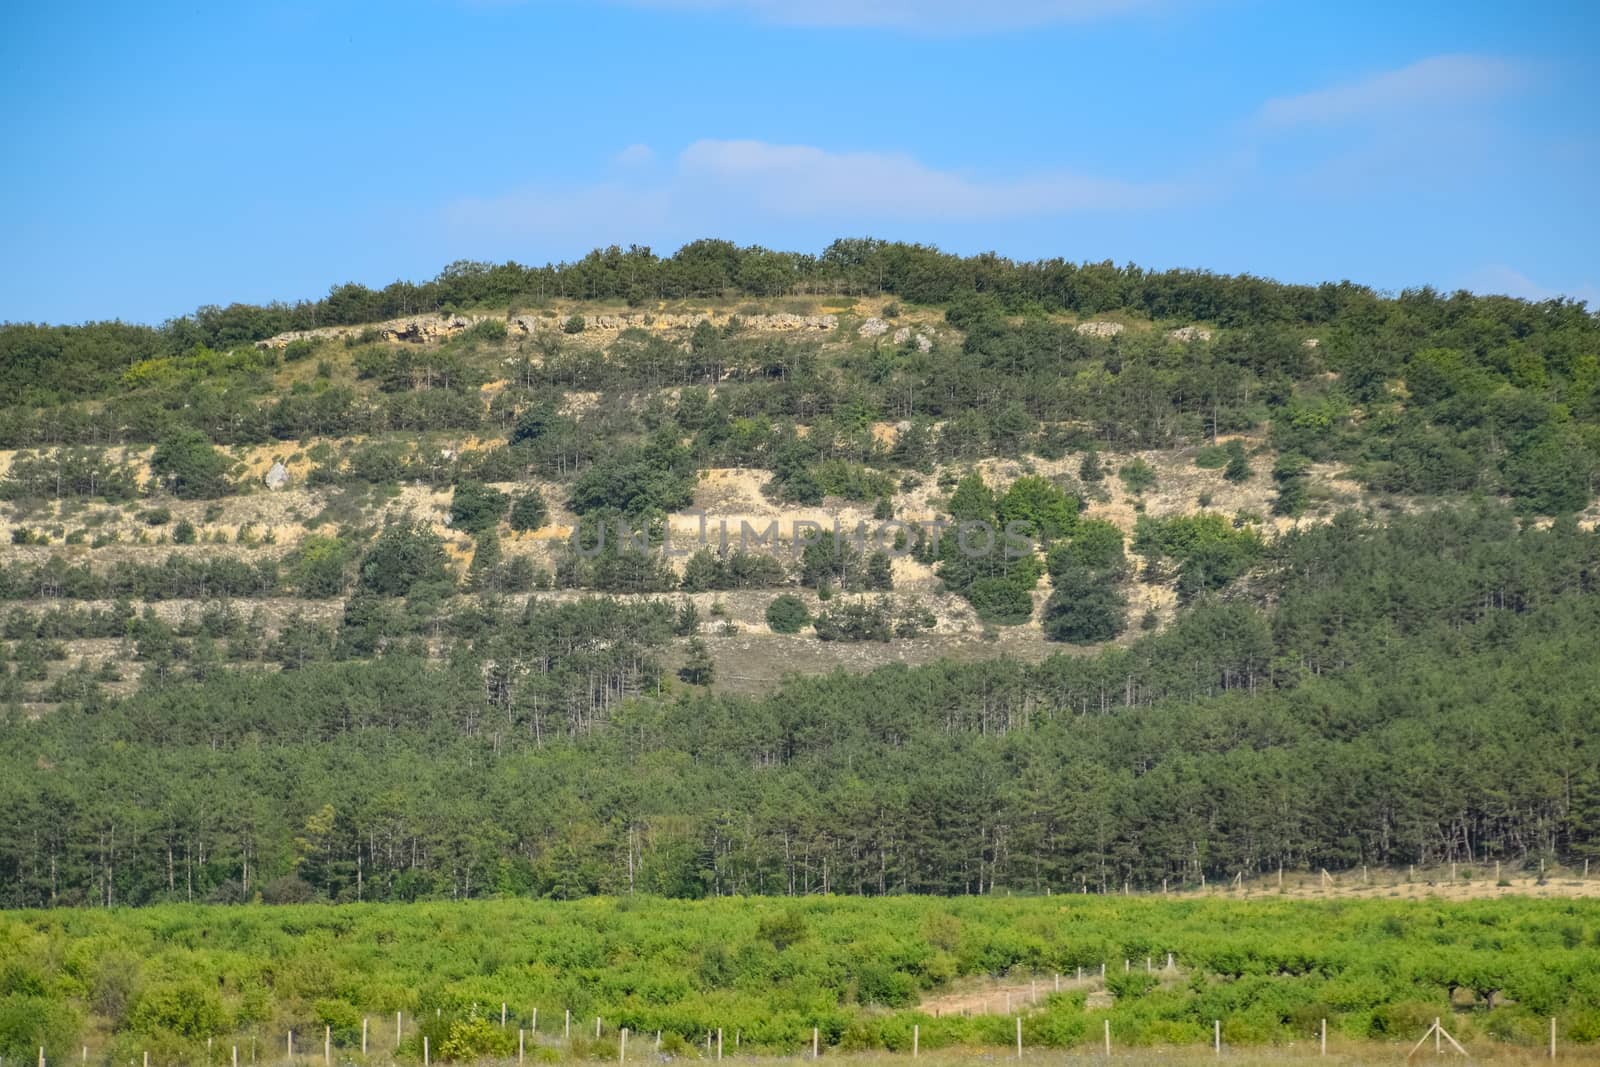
160 156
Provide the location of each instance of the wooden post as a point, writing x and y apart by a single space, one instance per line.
363 1035
1169 961
290 1045
719 1042
502 1015
235 1055
147 1059
658 1040
1552 1043
424 1050
622 1045
1102 970
1438 1038
597 1028
1108 1037
397 1016
327 1045
521 1044
916 1039
566 1027
1216 1035
1324 1037
1019 1037
1058 983
1147 965
814 1047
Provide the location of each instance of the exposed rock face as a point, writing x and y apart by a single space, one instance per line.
1310 342
424 329
1187 334
904 334
873 328
277 477
1099 329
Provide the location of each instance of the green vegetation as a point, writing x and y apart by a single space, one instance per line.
326 693
167 979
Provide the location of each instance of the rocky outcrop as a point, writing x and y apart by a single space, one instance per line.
277 476
426 329
873 328
905 333
1186 334
1099 329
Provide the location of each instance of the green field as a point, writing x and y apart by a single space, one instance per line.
864 972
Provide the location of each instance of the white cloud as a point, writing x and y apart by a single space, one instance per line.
934 16
805 180
1505 280
636 155
1447 79
719 183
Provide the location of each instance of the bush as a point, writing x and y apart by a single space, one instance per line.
788 614
529 511
1137 475
186 464
573 324
475 507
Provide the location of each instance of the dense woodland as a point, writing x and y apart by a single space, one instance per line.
1414 691
1410 682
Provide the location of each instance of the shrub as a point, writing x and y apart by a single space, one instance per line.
529 511
788 614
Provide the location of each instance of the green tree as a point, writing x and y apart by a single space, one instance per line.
475 507
528 511
406 554
698 667
787 614
187 466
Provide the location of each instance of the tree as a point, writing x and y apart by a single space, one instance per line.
406 554
475 507
529 511
186 464
1238 468
698 667
1084 608
1046 509
787 614
1089 469
1290 474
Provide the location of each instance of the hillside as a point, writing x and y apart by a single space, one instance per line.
1258 577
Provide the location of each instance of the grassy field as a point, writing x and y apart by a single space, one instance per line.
188 984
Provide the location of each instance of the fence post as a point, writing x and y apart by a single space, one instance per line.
397 1018
520 1043
566 1026
363 1035
622 1045
814 1047
424 1050
916 1039
502 1015
1108 1037
719 1042
535 1026
1019 1037
1216 1035
289 1045
235 1055
1324 1037
597 1028
327 1045
1552 1043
